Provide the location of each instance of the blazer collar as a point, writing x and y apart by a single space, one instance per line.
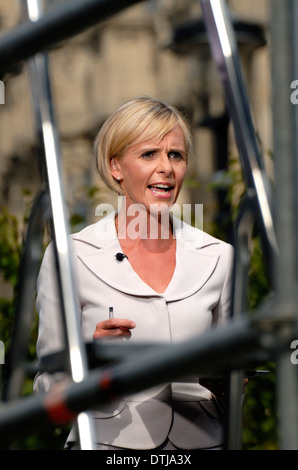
104 232
194 265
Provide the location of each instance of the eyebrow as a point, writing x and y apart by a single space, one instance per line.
157 149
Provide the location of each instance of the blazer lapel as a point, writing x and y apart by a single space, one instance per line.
98 248
195 260
194 265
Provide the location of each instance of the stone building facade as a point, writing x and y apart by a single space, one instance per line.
128 55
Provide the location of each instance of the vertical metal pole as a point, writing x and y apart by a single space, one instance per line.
224 50
42 102
234 410
284 17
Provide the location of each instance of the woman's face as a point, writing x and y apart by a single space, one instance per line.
152 172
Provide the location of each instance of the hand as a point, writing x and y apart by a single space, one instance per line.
113 328
217 387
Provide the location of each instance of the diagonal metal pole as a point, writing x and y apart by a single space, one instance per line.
224 50
213 352
42 102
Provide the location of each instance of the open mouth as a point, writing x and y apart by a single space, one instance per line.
160 190
161 187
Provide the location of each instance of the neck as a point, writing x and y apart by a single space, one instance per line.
149 227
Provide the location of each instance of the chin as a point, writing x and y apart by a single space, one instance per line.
160 207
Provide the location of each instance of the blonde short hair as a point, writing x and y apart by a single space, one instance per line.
143 117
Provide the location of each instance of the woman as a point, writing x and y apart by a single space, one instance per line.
171 281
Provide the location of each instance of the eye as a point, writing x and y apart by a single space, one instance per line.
175 155
148 154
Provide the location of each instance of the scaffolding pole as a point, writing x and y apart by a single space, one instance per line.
257 209
65 20
284 18
276 327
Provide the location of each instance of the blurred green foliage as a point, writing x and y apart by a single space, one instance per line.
259 412
10 255
260 421
12 234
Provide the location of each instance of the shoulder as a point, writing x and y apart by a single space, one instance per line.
97 234
198 238
90 238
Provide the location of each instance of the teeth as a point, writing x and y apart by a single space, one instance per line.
160 186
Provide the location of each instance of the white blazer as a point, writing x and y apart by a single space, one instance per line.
197 297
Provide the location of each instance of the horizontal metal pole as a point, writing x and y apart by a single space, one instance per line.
62 22
220 349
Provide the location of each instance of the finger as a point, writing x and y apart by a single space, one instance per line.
115 332
112 333
114 327
114 323
108 332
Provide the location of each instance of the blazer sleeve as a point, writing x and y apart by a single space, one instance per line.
50 332
222 311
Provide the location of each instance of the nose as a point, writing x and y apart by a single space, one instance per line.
165 165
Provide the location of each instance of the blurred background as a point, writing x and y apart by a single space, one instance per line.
157 48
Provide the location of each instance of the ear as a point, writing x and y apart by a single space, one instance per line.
115 168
